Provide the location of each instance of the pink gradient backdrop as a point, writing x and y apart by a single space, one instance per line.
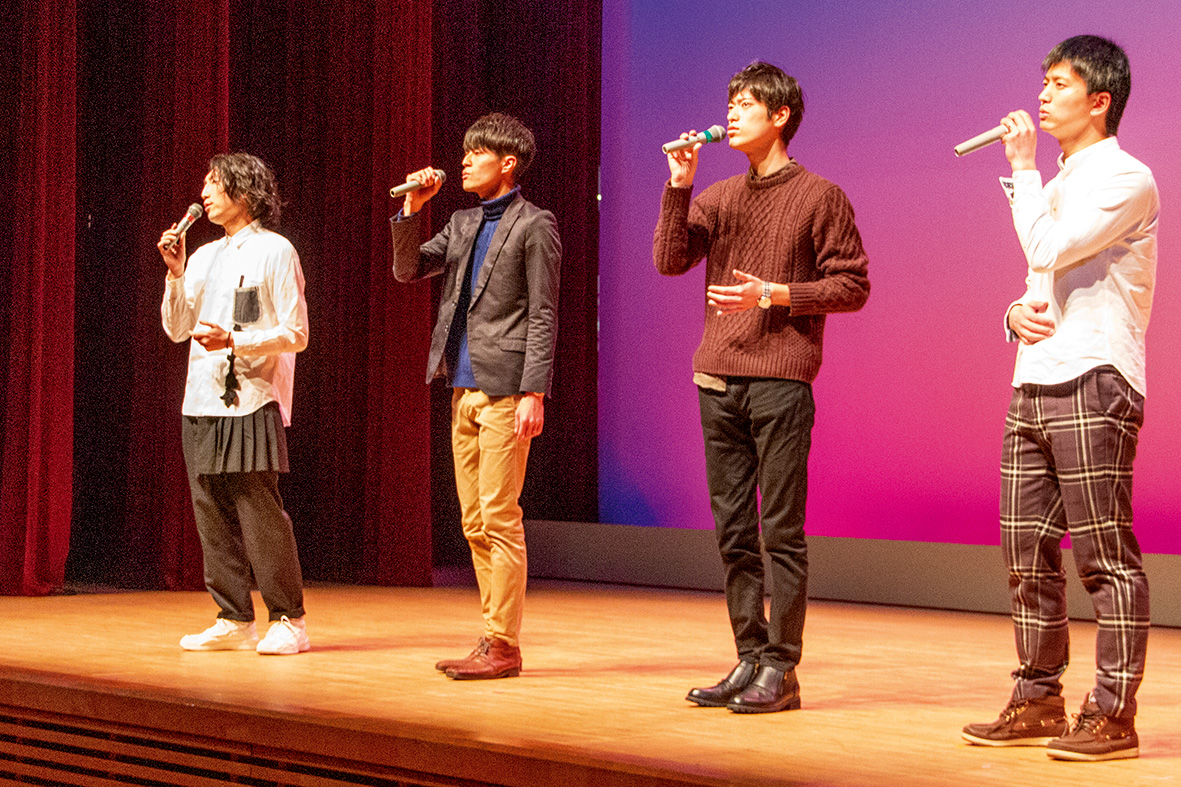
912 395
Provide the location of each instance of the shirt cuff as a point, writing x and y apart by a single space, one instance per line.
1010 335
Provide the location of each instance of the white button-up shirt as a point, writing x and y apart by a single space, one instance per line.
1090 241
254 259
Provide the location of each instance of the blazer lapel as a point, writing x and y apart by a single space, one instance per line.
503 228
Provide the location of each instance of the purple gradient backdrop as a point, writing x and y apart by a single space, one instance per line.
912 395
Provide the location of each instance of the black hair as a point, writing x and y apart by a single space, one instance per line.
775 89
1102 65
246 177
503 135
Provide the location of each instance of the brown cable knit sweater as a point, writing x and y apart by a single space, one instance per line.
792 227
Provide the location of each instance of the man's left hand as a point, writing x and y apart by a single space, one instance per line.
213 337
530 416
734 298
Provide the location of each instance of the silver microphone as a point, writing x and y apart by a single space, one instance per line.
414 185
980 141
712 134
191 215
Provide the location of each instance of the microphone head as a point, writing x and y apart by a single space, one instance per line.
195 210
441 175
716 133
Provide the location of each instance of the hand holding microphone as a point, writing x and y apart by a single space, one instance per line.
172 242
419 187
682 154
1019 133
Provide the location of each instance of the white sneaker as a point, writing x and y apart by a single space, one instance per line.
285 637
223 635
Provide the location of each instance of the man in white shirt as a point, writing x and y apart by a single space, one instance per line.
240 300
1089 238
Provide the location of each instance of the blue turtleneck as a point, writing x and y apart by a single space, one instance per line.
457 347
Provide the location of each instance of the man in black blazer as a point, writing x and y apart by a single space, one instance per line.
494 343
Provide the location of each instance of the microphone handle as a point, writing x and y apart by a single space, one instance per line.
980 141
183 227
712 134
413 185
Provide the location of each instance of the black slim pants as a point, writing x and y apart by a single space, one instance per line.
757 437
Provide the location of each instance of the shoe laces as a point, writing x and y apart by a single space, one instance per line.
282 627
1089 719
1013 709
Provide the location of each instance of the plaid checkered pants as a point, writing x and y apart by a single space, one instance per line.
1067 468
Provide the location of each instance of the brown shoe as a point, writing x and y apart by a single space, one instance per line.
1095 736
1033 722
480 649
499 660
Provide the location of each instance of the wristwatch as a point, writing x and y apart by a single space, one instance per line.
765 301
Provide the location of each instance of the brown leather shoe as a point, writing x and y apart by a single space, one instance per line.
1094 736
1023 722
480 649
499 660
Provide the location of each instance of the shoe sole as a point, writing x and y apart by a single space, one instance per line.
793 705
512 672
1076 756
212 648
707 703
284 652
1031 742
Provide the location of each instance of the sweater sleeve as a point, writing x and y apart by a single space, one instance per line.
682 231
843 285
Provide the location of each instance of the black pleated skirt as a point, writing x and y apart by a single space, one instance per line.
236 444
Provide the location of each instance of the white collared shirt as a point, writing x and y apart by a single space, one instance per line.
1089 239
253 259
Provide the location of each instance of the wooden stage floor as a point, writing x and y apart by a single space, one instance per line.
600 701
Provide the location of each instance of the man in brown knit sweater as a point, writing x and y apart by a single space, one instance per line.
781 252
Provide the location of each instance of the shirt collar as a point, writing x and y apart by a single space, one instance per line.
1103 146
241 236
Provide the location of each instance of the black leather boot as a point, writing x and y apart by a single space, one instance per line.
771 690
721 694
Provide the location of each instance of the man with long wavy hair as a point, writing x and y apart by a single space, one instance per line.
240 301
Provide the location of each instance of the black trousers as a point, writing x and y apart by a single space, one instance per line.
757 437
245 531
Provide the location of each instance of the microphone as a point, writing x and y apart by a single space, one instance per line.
980 141
713 134
414 185
191 215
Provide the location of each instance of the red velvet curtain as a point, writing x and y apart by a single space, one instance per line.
115 109
184 112
336 95
36 429
540 63
321 91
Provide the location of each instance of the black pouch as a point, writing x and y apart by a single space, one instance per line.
247 308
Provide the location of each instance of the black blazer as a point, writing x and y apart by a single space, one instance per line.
512 320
